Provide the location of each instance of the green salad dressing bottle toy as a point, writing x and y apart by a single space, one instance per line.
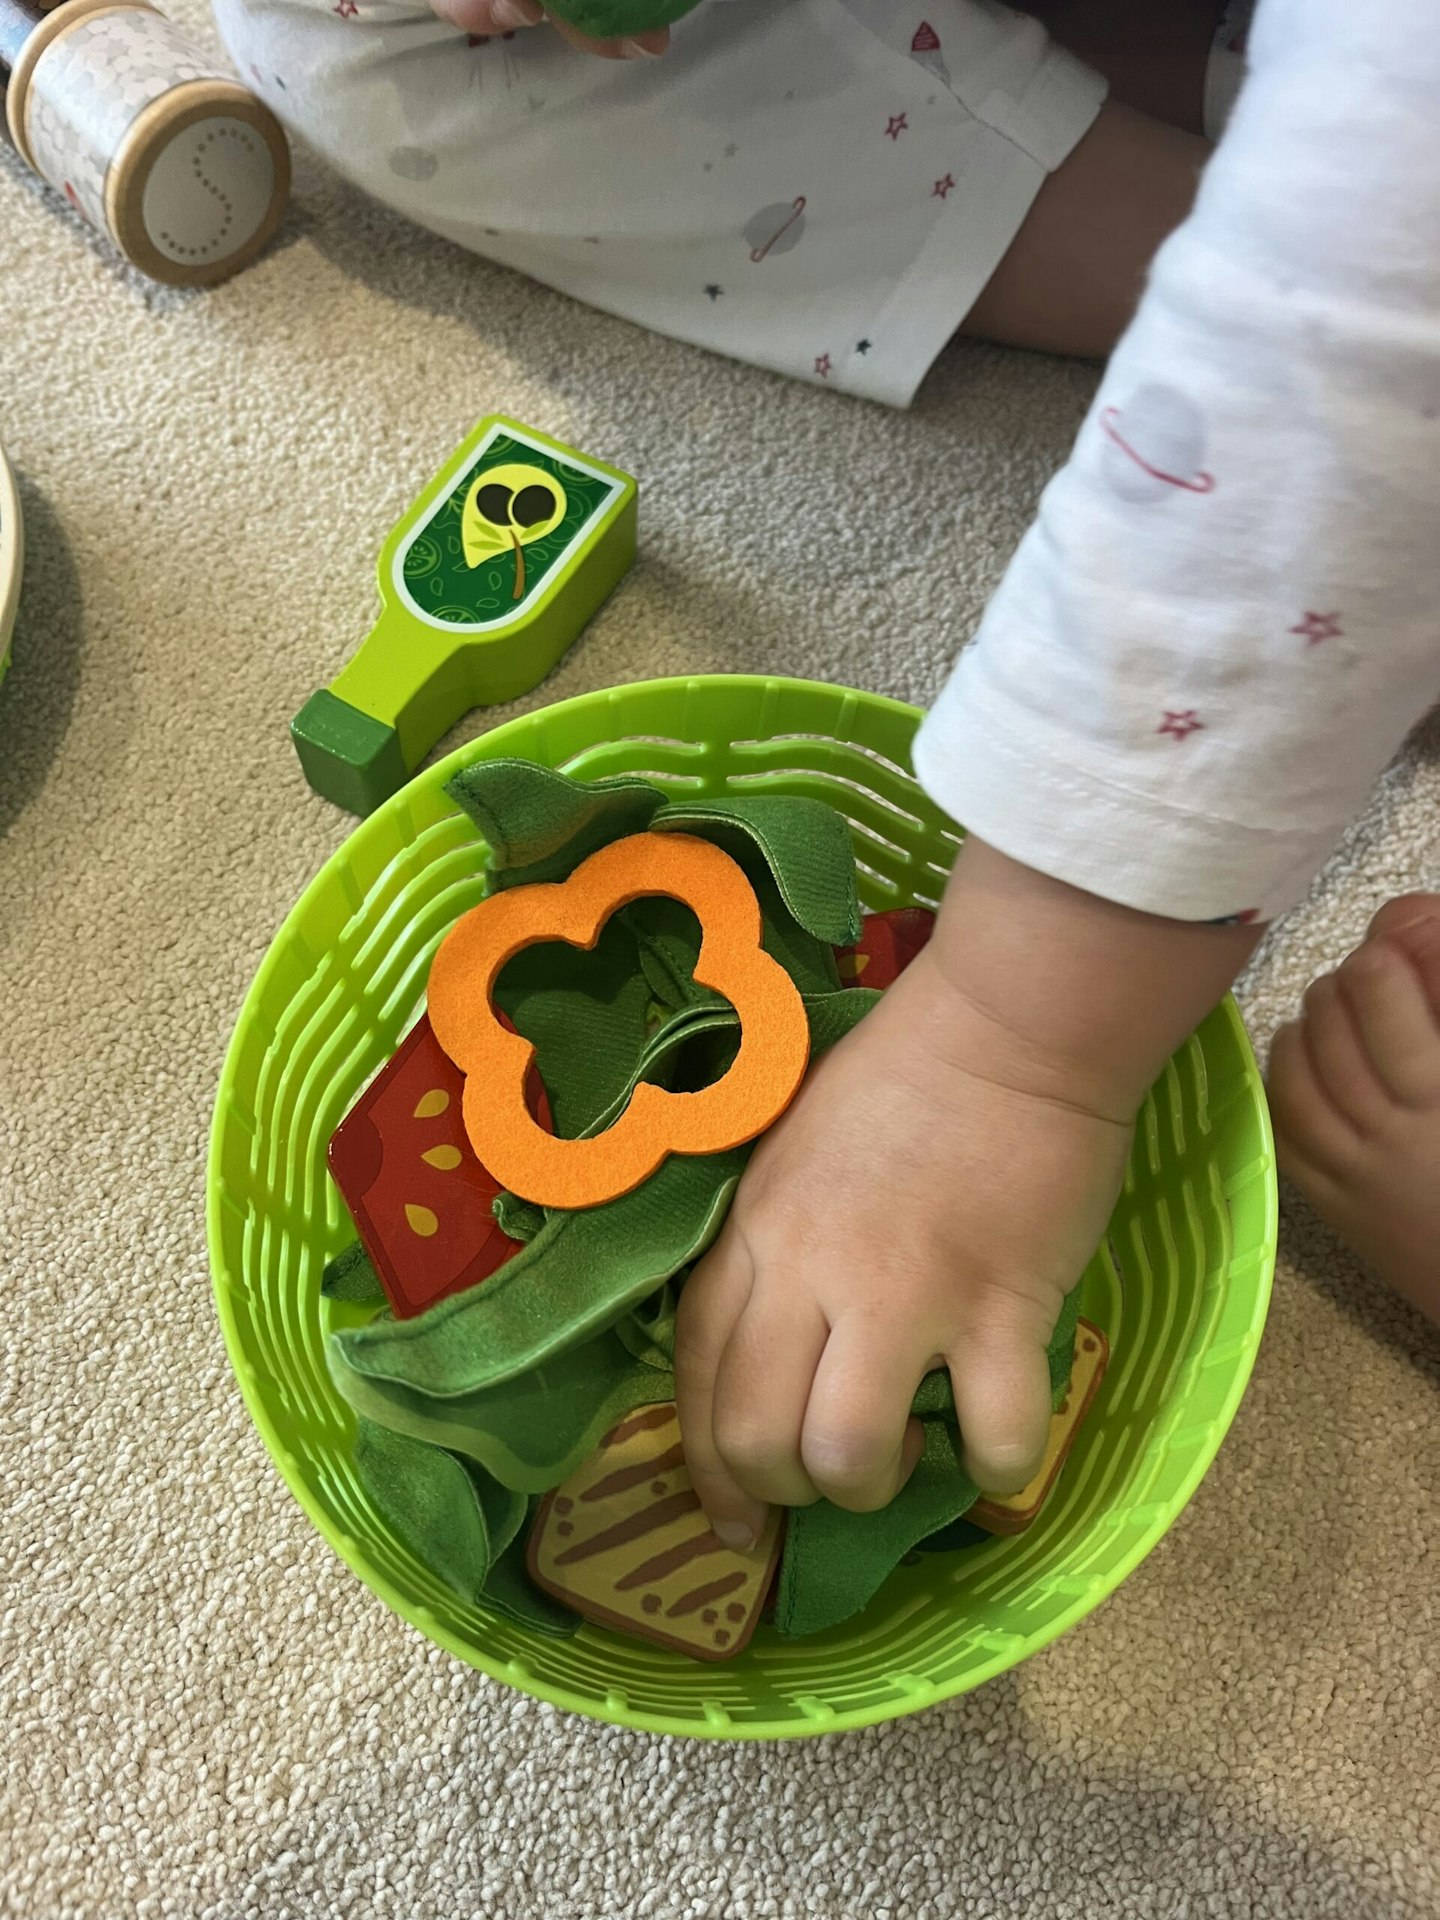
485 583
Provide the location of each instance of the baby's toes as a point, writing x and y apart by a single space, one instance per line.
1385 988
1313 1138
1338 1057
1412 923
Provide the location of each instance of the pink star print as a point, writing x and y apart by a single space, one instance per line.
942 189
1181 725
1320 626
346 9
899 123
823 364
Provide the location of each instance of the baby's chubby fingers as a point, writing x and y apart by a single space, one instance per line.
1001 1378
859 1444
509 16
762 1388
490 16
711 1303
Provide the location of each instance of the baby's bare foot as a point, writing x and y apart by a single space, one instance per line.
1355 1094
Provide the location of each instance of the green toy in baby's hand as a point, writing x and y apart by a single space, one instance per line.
619 19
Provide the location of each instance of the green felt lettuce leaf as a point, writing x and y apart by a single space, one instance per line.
464 1525
519 1219
455 1518
586 1015
511 1592
802 844
532 1431
574 1279
834 1560
539 824
351 1277
649 1332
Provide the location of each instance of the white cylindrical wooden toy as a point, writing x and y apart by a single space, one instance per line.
12 558
185 170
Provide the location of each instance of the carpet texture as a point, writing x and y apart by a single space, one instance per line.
205 1715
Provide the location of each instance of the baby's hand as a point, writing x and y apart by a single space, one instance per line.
927 1202
507 16
934 1192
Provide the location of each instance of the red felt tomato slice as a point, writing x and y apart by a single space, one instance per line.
888 943
419 1197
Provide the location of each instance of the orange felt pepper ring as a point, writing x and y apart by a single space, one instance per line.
762 1079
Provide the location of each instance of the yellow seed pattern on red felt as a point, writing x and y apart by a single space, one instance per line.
422 1221
431 1103
445 1158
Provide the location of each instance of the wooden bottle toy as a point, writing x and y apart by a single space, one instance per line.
484 584
183 168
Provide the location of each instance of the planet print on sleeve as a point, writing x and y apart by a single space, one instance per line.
776 229
1154 446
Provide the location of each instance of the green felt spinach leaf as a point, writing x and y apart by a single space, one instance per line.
802 843
539 824
456 1519
351 1277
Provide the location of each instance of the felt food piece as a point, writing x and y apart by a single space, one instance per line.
619 19
576 1278
420 1199
802 845
539 824
888 943
1012 1513
625 1543
456 1518
774 1035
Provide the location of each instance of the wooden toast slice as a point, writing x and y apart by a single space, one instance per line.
624 1543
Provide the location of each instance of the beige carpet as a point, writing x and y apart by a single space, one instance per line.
204 1714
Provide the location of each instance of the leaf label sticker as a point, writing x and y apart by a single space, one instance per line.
487 545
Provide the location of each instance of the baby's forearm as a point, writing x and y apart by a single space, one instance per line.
1067 994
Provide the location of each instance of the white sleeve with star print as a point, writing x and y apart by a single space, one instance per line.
1227 614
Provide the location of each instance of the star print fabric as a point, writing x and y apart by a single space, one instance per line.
820 187
1223 623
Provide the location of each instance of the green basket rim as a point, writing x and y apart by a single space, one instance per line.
852 1720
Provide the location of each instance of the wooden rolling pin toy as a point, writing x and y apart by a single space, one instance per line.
182 167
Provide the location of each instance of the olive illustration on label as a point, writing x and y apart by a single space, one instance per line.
510 506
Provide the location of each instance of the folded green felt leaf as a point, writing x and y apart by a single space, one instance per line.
511 1592
586 1013
531 1431
351 1276
576 1277
461 1523
457 1520
803 845
539 824
835 1561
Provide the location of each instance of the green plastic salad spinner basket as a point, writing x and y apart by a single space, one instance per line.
1180 1286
